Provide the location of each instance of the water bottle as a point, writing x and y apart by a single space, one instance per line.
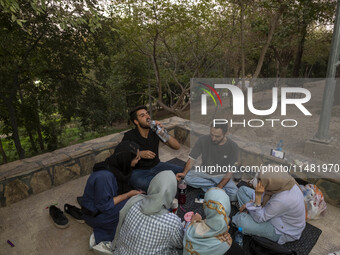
279 146
239 237
161 132
182 196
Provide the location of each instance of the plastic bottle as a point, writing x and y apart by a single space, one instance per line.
161 132
182 196
239 237
279 146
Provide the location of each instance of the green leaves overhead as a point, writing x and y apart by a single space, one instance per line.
93 60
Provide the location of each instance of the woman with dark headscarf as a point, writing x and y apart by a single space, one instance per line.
278 212
120 164
101 202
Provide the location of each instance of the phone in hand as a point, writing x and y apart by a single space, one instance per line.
200 198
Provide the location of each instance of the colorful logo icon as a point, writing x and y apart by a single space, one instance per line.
209 93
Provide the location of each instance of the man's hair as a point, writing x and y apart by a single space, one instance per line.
133 112
224 127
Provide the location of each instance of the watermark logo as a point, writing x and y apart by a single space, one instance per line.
238 100
204 96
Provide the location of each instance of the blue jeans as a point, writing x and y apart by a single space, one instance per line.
141 178
246 222
205 182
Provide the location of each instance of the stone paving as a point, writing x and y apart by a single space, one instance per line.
28 226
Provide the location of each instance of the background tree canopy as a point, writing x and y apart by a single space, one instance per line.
90 61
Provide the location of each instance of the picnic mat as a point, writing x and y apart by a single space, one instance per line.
309 237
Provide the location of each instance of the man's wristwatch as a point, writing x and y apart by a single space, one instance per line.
256 205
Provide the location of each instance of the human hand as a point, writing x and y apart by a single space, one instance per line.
244 207
147 154
225 237
134 192
158 123
179 176
196 217
259 190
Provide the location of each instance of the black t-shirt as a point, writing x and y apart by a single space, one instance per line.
151 143
212 154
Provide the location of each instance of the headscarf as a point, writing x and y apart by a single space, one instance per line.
119 163
275 182
161 192
202 237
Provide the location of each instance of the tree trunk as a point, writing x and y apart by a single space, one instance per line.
3 154
34 148
299 53
228 52
14 125
40 138
273 24
156 68
242 47
169 109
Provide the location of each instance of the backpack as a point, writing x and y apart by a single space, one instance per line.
264 246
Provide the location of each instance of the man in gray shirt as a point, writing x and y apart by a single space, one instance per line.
219 153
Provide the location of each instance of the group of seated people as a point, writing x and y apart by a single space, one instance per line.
127 198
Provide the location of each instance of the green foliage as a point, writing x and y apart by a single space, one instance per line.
66 60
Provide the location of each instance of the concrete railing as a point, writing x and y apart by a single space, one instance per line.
22 178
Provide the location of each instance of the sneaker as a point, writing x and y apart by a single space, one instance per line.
103 248
92 241
79 199
75 212
58 217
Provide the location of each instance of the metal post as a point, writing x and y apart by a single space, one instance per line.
322 134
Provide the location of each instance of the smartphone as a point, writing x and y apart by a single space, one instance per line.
200 198
277 154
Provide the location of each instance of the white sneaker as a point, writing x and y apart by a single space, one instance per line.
92 241
103 248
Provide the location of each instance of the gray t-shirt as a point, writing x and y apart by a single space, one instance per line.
213 154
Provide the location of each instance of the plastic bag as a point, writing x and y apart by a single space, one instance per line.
314 200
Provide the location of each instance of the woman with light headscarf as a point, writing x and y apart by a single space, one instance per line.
210 236
145 224
278 212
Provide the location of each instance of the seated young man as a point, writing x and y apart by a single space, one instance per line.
216 150
148 141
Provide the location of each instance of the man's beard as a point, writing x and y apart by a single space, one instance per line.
217 142
147 126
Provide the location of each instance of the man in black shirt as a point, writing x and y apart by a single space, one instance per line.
219 153
148 141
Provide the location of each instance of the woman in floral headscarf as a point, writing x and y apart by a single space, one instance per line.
210 236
